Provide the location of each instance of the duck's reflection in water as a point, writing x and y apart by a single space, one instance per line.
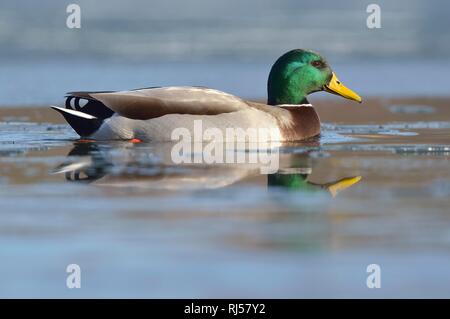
151 168
296 179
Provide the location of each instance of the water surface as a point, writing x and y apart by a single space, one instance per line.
140 226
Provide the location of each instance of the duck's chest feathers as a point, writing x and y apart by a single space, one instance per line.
304 123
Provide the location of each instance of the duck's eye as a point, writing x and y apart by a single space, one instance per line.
317 64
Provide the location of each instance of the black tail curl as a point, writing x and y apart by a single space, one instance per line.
91 106
85 119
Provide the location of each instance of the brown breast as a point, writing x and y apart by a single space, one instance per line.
305 123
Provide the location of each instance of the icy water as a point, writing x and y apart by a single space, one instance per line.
140 226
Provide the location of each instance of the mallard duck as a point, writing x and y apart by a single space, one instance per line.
152 114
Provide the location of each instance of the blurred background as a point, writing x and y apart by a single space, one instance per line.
228 45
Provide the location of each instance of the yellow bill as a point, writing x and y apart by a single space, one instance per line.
342 184
336 87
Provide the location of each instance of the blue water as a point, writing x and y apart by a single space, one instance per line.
139 226
139 30
225 45
46 82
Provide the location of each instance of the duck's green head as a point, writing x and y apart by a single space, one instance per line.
298 73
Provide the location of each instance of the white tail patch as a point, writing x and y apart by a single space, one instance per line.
73 112
72 167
